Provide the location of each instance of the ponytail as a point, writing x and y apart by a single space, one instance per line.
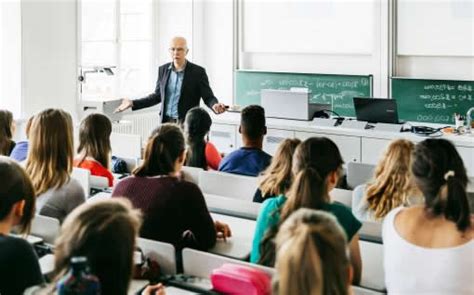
308 191
163 149
437 165
197 124
457 205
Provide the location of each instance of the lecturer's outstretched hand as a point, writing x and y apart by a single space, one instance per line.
218 108
126 104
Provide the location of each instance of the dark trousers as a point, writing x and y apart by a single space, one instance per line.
167 119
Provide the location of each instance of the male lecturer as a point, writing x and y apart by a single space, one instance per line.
180 86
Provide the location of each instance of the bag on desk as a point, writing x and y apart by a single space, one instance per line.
146 268
239 279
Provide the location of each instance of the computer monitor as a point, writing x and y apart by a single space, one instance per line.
376 110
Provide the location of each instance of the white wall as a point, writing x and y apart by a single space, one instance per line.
214 44
10 56
49 44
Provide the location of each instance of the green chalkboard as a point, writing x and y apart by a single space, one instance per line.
337 90
433 101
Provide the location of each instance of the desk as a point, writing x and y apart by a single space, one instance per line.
365 146
47 264
239 245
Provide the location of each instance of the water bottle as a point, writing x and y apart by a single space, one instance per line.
78 280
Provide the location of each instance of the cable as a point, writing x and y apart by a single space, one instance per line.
424 130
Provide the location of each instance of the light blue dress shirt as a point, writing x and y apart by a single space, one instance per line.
173 91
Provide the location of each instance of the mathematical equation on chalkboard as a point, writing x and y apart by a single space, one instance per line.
433 101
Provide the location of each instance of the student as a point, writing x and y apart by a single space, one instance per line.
20 151
277 178
311 257
200 152
317 165
7 128
392 185
429 249
19 266
174 210
49 164
250 159
94 146
104 232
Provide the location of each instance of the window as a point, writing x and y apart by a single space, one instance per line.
116 34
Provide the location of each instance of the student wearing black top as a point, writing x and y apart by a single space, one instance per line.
19 266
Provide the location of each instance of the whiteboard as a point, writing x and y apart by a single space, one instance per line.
435 27
308 26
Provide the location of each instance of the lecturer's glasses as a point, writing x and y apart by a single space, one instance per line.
178 49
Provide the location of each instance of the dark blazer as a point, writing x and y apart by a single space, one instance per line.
195 85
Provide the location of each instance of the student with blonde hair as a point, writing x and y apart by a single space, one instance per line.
94 146
174 210
312 256
49 164
7 128
105 233
19 266
317 166
391 187
277 178
429 249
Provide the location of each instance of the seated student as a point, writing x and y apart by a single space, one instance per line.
317 165
174 210
94 146
392 185
429 249
49 164
277 178
20 151
200 152
311 256
19 266
250 159
7 128
105 233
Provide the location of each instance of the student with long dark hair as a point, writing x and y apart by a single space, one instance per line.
94 146
429 249
19 266
174 210
317 166
7 128
200 152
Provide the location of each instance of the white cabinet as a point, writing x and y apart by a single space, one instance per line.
223 136
349 146
273 139
467 155
373 149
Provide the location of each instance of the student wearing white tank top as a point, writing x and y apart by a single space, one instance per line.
430 249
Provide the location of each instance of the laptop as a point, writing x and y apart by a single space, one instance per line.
376 110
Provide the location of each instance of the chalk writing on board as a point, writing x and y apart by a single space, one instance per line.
432 100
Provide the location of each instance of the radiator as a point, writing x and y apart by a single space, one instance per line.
140 124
